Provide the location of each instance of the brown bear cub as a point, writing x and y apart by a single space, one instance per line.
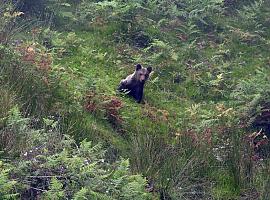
134 83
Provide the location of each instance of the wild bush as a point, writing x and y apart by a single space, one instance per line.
51 165
27 72
7 101
9 25
191 139
107 106
7 184
171 159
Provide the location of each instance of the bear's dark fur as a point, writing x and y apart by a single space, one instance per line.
134 83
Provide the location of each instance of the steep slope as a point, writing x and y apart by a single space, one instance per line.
200 133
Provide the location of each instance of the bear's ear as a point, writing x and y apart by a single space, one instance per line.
149 69
138 66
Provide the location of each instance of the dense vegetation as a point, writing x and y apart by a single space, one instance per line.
201 133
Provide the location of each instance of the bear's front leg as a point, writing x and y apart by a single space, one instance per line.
139 95
122 86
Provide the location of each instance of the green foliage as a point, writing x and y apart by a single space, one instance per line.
210 71
14 134
55 191
253 97
9 24
7 101
49 158
209 89
263 180
249 12
7 185
28 76
225 188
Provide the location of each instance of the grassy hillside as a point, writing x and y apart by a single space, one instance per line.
201 133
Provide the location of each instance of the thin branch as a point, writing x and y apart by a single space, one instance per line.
38 189
44 177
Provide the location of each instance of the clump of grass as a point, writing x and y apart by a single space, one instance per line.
27 75
7 101
225 187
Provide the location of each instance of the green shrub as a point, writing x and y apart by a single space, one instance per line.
7 185
7 101
9 24
28 75
54 166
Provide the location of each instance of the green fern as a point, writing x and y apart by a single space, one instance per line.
55 191
7 185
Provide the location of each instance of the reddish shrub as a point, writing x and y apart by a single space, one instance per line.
109 106
155 114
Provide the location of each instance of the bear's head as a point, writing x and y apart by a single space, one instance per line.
142 73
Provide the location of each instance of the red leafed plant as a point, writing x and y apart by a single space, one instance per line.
109 106
155 114
34 54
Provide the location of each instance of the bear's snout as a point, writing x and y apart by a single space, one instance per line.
142 78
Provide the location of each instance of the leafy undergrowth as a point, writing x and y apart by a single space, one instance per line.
202 129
